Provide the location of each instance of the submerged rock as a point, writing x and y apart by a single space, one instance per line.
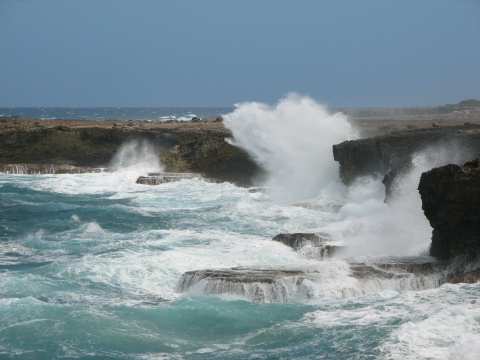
451 202
162 178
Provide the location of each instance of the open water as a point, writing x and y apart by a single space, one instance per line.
90 263
116 113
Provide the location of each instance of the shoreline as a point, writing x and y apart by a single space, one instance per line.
367 126
200 146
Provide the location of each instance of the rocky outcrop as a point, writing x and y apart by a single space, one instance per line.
163 178
294 284
313 246
451 202
182 146
212 156
382 154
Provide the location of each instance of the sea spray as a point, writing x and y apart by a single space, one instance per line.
137 155
372 227
293 142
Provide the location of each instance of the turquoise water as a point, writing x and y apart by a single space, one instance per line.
89 266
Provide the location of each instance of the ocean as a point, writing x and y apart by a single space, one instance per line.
90 264
114 113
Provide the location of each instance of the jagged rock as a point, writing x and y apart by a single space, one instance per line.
312 246
451 202
381 154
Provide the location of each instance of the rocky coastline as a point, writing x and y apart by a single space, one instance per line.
450 194
389 153
187 147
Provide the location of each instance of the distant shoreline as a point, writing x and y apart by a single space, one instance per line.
366 126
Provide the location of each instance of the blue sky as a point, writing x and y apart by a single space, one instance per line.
218 53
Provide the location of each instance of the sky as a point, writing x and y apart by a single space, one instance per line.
219 52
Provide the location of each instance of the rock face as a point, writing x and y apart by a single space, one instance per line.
382 154
181 146
451 202
211 155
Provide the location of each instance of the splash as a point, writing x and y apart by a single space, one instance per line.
371 227
293 142
137 156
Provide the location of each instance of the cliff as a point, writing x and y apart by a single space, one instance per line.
451 202
384 153
182 146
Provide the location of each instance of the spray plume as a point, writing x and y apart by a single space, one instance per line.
138 156
371 227
292 141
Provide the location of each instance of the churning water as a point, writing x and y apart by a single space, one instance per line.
90 263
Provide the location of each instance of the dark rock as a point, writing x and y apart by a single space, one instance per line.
381 154
290 284
392 181
258 285
211 155
469 277
182 147
451 202
299 240
162 178
257 190
318 248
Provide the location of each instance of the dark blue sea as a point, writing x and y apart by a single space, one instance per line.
90 263
114 113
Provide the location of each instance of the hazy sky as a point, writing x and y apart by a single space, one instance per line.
217 53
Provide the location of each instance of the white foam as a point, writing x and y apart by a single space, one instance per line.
442 323
370 227
138 155
292 141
